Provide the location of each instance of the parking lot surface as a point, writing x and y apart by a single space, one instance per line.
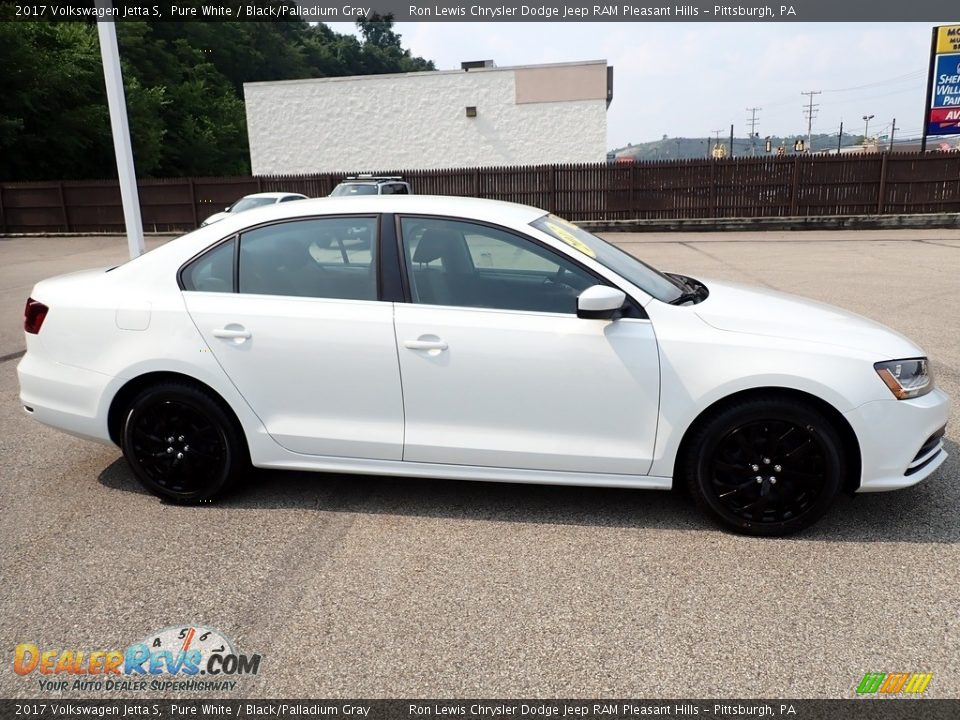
353 586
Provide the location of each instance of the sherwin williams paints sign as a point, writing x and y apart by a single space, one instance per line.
944 109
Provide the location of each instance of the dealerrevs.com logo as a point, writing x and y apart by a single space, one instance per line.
190 657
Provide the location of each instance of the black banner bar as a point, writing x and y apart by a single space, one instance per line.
852 709
486 10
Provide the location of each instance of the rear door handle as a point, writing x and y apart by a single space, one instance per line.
425 344
231 334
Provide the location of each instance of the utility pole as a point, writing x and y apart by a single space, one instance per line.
731 139
811 112
930 74
840 138
753 128
893 129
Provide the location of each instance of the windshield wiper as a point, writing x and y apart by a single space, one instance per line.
694 291
686 297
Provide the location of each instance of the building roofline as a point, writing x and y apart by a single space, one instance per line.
423 73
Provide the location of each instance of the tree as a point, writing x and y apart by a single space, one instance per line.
183 83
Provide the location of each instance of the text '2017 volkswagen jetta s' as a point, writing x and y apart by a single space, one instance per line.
473 340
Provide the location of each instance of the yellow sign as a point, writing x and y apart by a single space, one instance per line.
948 39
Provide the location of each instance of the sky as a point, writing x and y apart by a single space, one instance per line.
690 79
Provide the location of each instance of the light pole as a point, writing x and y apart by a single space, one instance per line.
121 131
866 127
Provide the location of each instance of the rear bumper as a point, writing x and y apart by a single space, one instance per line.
899 440
64 397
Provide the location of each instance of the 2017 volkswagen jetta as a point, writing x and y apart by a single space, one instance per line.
478 340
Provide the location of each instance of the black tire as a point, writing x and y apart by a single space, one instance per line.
765 466
181 443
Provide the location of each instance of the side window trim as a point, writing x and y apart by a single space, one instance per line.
639 311
390 281
236 264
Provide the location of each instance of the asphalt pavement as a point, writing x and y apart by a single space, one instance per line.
373 587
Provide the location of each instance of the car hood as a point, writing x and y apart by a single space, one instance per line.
758 311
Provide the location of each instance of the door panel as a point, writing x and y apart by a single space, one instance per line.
499 371
304 338
320 374
528 390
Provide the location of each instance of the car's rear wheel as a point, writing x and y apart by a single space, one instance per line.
181 444
765 466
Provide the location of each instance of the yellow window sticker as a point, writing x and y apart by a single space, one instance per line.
561 233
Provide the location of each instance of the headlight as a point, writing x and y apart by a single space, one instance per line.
906 378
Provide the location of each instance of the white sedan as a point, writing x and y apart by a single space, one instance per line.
249 202
474 340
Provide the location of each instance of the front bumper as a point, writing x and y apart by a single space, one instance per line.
898 440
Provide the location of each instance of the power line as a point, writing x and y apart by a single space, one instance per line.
881 83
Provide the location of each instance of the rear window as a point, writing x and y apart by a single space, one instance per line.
250 203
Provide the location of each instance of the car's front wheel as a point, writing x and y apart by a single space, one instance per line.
181 444
765 465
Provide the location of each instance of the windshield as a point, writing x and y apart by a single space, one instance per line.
248 203
646 278
354 189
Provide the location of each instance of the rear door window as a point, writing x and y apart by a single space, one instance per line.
320 258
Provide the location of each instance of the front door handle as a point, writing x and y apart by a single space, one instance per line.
232 333
425 344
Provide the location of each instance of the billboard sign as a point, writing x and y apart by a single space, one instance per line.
943 109
946 81
948 39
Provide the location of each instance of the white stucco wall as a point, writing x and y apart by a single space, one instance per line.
415 121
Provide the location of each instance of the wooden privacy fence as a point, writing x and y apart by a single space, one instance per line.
860 184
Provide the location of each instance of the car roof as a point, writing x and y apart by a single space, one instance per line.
465 207
371 181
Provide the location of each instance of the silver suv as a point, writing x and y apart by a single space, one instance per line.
372 185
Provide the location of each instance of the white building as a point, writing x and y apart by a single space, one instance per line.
477 116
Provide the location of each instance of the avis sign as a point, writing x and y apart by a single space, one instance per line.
943 115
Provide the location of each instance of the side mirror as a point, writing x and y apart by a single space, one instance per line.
600 302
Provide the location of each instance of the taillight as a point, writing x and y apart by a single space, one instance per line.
33 316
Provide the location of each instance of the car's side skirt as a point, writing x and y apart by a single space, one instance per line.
465 472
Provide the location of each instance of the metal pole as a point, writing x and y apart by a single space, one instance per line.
120 128
930 72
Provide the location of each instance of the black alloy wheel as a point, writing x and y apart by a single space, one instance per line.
181 444
765 466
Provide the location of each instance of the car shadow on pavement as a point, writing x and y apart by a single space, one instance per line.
926 513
